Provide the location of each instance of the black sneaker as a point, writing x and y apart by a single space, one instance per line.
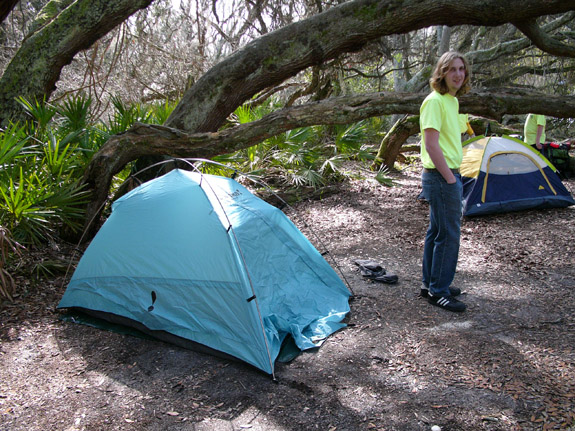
447 302
453 291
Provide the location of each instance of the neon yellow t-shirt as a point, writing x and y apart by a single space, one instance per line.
530 128
441 112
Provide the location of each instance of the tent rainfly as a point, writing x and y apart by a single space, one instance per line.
198 260
502 174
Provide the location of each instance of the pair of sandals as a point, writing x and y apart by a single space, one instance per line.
374 271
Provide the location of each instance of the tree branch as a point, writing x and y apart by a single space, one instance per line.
154 140
507 47
542 40
516 72
276 56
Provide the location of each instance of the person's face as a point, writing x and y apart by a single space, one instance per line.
455 76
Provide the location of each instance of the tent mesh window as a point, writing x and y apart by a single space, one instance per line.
511 164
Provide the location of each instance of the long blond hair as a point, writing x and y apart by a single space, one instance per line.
437 80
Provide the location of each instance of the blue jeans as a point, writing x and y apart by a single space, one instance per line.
441 247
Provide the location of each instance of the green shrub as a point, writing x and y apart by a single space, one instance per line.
308 156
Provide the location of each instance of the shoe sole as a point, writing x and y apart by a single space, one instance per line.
447 307
424 293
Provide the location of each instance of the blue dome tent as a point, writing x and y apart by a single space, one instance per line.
502 174
192 257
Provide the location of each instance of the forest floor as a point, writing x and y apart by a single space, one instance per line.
507 363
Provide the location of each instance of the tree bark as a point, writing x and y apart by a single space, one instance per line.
6 7
394 140
542 40
36 67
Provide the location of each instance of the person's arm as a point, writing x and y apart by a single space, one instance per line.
470 130
436 155
538 137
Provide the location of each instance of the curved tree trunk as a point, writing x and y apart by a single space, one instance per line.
509 47
281 54
36 67
393 141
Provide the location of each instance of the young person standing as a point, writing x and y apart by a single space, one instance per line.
441 155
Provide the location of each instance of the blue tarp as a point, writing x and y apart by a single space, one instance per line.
200 257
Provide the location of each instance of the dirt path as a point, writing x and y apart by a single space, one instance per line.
507 363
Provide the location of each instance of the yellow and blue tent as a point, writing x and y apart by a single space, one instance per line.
502 174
